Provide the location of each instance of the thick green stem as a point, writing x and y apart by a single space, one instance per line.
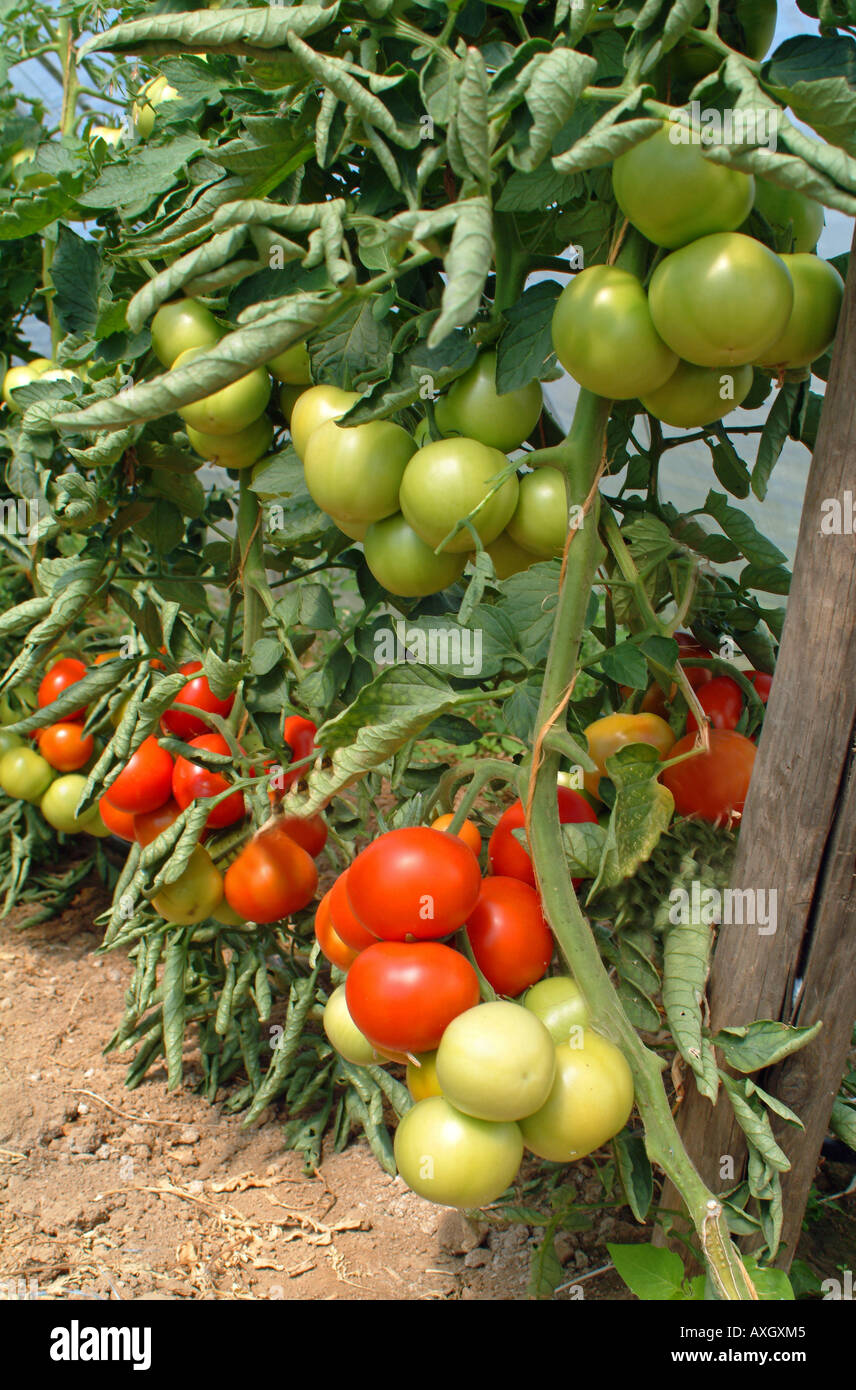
576 942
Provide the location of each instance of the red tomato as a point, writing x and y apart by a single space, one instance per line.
65 746
149 824
508 858
403 996
271 878
120 822
192 781
722 701
145 782
332 945
468 832
298 735
416 882
310 832
762 683
711 785
511 941
58 678
346 925
197 693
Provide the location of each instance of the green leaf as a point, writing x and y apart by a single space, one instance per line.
130 187
754 1046
555 83
467 135
417 371
545 186
75 273
642 811
353 348
776 430
584 847
466 264
175 962
755 1123
730 469
605 141
740 529
525 349
771 1285
686 962
625 665
634 1170
243 31
652 1273
816 78
842 1121
166 284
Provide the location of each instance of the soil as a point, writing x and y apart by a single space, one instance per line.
111 1194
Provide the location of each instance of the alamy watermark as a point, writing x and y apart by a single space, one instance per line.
838 515
460 647
20 518
756 126
751 907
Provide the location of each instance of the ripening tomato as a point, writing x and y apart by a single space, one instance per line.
468 832
454 1159
508 557
195 894
25 775
496 1062
473 407
422 1076
605 736
446 481
590 1101
403 996
58 678
347 926
415 882
271 878
145 781
722 701
559 1004
712 785
604 335
149 824
198 694
298 735
511 941
310 832
66 746
334 948
118 822
194 781
762 683
180 325
404 564
59 805
508 858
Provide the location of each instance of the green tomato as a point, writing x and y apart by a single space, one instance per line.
292 366
343 1033
454 1159
474 408
355 473
604 335
446 481
540 520
154 93
313 408
672 194
195 894
25 774
8 741
402 562
22 376
181 325
239 450
508 557
559 1004
288 397
699 395
354 530
233 407
721 301
818 292
590 1101
496 1062
60 801
785 208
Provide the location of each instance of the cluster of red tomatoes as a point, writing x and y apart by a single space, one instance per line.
718 304
487 1078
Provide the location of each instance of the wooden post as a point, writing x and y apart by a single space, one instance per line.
798 835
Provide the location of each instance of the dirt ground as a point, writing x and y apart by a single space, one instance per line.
111 1194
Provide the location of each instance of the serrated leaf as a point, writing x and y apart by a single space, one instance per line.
418 370
755 1123
686 963
526 347
584 846
555 83
467 134
466 264
776 430
243 31
642 811
75 272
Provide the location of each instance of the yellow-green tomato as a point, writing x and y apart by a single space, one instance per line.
559 1004
25 774
402 562
818 292
8 741
233 407
312 408
721 301
354 530
454 1159
59 804
699 395
422 1076
604 335
154 93
672 194
239 450
288 397
292 366
22 376
343 1033
496 1062
452 479
590 1100
355 472
227 916
195 894
181 325
474 408
508 557
785 208
540 520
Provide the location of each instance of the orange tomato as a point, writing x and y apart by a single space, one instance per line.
468 832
